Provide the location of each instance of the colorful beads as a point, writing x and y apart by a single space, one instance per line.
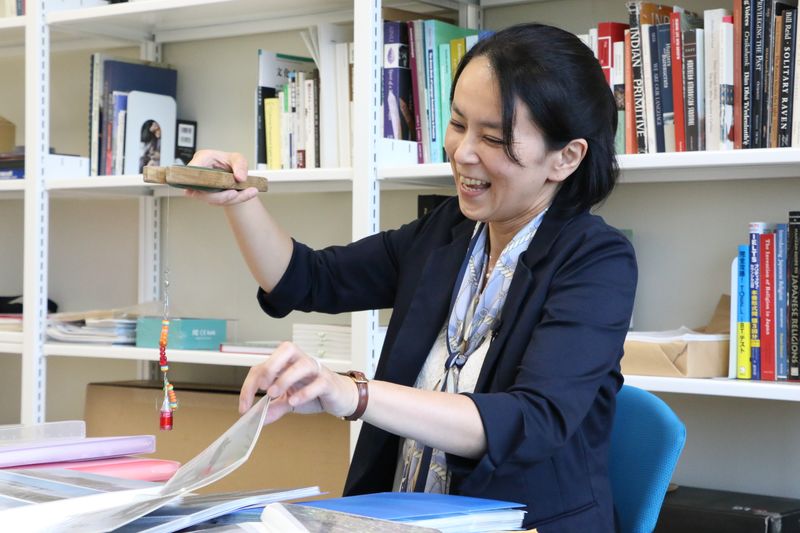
170 399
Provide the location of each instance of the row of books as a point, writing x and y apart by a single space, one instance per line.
420 59
132 115
12 8
766 273
717 80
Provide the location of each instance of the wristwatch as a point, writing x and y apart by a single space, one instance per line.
363 394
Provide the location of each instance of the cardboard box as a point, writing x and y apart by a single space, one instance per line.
8 134
184 333
686 355
695 510
683 353
296 451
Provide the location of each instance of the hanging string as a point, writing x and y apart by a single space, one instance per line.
170 401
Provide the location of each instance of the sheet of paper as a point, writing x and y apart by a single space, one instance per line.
110 510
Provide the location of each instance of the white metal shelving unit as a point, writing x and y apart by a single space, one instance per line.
151 22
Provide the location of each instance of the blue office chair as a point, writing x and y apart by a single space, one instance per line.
646 442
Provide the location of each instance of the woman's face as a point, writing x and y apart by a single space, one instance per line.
491 187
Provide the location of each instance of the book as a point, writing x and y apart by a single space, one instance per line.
726 131
785 78
125 76
743 369
398 104
436 33
416 64
608 33
643 13
273 73
664 88
680 21
793 294
690 102
445 512
781 358
150 122
712 44
756 229
767 295
74 449
126 467
255 347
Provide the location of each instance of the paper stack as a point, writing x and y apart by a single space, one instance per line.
324 341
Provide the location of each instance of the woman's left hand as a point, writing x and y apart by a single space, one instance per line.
299 383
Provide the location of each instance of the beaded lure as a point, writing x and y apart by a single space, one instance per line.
170 402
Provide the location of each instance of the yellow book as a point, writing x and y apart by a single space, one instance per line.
272 131
743 368
458 47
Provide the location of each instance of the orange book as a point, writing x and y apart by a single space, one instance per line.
630 118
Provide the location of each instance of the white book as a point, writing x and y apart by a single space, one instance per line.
712 24
701 98
343 104
649 99
725 131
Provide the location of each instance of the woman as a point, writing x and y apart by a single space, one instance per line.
510 303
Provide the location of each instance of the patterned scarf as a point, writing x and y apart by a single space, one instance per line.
474 316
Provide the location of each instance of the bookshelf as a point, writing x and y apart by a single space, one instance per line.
682 207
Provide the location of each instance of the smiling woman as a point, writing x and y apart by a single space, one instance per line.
511 302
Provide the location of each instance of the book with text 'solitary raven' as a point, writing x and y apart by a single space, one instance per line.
445 512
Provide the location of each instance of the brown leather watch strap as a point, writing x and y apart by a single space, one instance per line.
363 394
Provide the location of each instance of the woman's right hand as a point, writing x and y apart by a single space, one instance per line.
230 161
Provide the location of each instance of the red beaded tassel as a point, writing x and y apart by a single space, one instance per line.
170 402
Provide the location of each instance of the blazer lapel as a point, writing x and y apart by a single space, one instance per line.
521 284
429 308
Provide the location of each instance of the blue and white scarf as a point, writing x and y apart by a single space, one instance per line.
473 317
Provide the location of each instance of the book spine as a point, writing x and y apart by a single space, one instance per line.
630 117
657 88
432 87
618 88
786 86
775 81
743 369
757 86
766 83
746 26
648 45
676 50
781 358
711 80
665 86
726 132
445 83
418 89
700 88
690 90
767 297
793 294
756 229
261 143
737 74
637 81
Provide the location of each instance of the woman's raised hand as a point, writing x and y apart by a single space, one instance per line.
230 161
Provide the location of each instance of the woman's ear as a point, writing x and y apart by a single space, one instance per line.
568 159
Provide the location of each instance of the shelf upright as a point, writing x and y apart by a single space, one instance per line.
368 51
150 227
36 202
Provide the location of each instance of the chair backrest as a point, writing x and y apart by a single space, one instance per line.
646 442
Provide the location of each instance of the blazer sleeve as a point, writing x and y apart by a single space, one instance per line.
359 276
572 352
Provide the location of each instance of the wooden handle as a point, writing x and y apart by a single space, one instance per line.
201 178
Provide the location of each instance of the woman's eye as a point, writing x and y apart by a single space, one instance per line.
494 141
456 125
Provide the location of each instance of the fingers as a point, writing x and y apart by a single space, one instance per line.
231 161
287 368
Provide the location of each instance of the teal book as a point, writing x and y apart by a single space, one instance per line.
184 333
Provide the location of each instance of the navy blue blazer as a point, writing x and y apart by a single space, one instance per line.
546 391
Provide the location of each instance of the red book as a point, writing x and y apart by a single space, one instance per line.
676 49
767 295
608 33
